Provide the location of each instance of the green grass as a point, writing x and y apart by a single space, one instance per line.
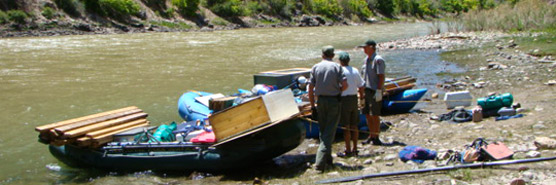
545 44
172 25
219 21
525 15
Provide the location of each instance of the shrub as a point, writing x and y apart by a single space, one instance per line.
119 8
281 7
359 7
387 7
253 7
71 7
17 16
187 7
328 8
3 17
226 7
48 12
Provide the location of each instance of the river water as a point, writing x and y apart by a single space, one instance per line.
49 79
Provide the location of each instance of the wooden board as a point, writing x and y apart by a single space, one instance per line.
269 108
117 127
47 127
252 131
96 120
280 104
83 130
239 118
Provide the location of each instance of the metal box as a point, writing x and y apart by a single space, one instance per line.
281 78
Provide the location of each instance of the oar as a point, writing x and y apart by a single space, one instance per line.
474 165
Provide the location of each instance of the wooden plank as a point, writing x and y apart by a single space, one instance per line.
239 118
96 120
83 130
398 89
108 137
390 85
84 141
280 104
47 127
117 127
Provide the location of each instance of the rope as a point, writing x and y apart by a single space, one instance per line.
412 101
344 128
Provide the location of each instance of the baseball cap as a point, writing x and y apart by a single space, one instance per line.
328 50
369 42
343 56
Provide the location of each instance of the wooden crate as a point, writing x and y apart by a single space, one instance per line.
272 107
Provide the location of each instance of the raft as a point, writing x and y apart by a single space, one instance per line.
189 109
239 153
399 103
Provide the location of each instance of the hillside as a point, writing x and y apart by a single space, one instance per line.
55 17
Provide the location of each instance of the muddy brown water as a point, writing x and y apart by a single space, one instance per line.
49 79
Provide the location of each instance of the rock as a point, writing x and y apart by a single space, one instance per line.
434 95
545 143
528 175
533 154
368 161
539 126
389 164
517 182
390 157
550 82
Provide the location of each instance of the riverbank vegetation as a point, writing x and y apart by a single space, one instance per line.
180 15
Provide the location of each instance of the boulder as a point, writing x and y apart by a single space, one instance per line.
545 143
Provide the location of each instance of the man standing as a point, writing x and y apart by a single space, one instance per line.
373 73
349 115
327 83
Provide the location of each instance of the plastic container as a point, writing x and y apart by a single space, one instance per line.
460 98
496 101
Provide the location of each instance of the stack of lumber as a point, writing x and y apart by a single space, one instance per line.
398 85
93 130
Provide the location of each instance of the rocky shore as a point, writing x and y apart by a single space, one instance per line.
495 63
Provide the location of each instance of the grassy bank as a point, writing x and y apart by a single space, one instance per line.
23 15
521 16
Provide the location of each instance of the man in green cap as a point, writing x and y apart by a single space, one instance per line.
327 83
373 71
349 116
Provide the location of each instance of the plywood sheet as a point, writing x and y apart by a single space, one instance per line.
239 118
280 104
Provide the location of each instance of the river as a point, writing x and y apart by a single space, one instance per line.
49 79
